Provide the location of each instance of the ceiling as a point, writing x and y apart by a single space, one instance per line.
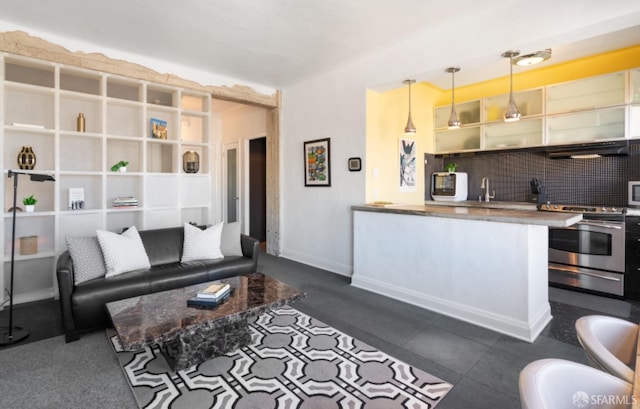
277 43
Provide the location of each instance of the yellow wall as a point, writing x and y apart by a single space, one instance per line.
387 115
619 60
386 118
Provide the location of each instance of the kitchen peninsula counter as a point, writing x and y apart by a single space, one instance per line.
480 211
484 265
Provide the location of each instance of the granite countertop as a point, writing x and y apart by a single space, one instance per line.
490 205
503 215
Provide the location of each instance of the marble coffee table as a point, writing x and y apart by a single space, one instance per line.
189 336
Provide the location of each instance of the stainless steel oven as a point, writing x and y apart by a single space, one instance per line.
590 254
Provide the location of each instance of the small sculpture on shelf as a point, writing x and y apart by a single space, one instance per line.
120 166
191 162
29 203
26 158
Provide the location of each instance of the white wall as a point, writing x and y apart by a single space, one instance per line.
316 222
243 122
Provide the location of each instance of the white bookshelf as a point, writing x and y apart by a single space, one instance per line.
41 102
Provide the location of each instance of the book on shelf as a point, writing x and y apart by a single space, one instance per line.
214 291
158 128
207 303
128 201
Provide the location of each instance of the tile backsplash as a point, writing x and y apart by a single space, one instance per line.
596 181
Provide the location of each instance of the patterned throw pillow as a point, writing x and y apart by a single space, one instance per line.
201 244
230 240
86 254
123 252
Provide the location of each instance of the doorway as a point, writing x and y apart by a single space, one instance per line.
258 189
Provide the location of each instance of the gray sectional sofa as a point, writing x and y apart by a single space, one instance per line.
83 304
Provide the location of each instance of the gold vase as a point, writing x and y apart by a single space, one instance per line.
80 123
26 158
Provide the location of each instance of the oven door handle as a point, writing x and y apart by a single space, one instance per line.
604 225
575 271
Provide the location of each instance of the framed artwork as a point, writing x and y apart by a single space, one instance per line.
355 164
407 165
317 163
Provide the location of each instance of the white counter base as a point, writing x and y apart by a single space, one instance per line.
491 274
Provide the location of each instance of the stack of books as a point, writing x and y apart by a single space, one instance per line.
125 201
211 296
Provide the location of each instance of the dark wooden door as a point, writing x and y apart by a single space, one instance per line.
258 188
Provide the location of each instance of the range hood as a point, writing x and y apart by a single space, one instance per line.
589 150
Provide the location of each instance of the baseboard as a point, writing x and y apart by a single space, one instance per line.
495 322
44 294
318 262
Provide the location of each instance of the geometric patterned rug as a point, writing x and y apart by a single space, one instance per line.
293 361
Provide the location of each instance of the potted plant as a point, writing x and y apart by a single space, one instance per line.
29 203
451 167
120 166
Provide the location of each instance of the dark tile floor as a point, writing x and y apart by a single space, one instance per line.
482 364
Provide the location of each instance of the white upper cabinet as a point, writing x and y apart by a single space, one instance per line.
589 93
602 108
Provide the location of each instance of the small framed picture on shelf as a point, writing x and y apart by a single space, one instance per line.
76 198
355 164
317 165
158 128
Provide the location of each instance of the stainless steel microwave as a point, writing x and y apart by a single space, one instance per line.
634 193
449 186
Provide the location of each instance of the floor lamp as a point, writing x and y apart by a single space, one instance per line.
11 334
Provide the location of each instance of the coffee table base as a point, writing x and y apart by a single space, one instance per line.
201 344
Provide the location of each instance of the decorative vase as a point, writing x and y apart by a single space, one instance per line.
191 162
26 158
80 123
122 169
30 208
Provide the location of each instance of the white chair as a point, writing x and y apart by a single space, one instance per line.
609 343
561 384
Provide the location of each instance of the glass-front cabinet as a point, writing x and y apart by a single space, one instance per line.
586 126
594 109
529 104
589 93
81 124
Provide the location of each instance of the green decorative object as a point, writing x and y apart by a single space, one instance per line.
120 166
451 167
29 201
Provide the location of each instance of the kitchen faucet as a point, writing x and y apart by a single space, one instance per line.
487 196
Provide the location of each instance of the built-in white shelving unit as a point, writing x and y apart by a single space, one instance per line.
41 102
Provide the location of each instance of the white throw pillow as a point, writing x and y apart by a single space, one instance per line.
122 252
201 244
230 240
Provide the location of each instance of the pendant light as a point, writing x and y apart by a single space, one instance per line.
410 129
511 114
454 121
